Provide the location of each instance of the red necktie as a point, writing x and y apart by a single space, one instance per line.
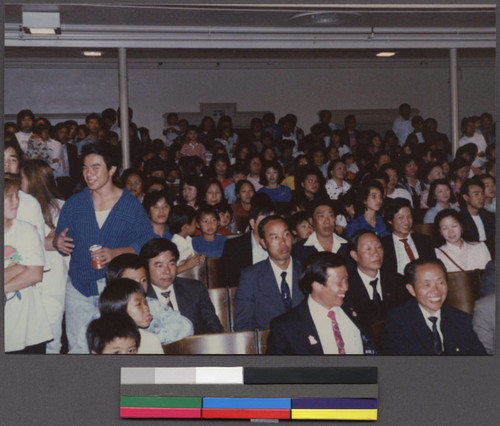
409 252
336 333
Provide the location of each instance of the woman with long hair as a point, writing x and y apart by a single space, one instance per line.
37 179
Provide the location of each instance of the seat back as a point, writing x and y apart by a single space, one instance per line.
213 272
377 329
262 336
197 273
237 343
220 300
241 223
463 290
231 292
424 228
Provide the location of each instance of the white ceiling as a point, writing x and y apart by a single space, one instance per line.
253 30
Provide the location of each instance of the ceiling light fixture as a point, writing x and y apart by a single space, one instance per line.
92 53
42 23
385 54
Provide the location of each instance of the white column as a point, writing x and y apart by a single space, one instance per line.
123 88
455 126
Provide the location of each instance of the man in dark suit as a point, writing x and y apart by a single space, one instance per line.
403 245
424 325
189 297
372 290
479 224
271 287
245 251
322 323
69 170
324 238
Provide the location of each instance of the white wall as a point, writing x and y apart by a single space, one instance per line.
81 88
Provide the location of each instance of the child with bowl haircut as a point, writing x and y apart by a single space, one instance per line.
113 333
209 243
128 296
300 226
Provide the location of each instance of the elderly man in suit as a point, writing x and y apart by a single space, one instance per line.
373 290
403 245
271 287
425 325
322 323
244 251
189 297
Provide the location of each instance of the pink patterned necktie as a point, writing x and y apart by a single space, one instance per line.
336 333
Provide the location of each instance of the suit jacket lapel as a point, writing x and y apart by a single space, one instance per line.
422 332
269 286
309 333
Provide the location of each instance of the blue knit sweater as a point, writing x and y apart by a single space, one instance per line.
127 225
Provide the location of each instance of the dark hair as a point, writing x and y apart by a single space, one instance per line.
475 180
364 192
296 219
93 116
268 219
14 144
151 198
223 207
261 205
190 180
250 157
130 172
122 262
155 247
215 159
379 154
354 240
107 328
179 216
316 202
11 181
207 184
303 172
24 113
240 183
273 164
104 150
332 165
457 164
410 272
155 181
206 209
315 269
463 123
393 205
116 294
431 200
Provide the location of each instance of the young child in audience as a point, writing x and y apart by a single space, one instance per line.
226 225
182 224
113 333
191 146
169 325
172 129
209 243
238 173
300 226
128 296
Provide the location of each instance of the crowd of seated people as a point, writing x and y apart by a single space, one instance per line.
324 235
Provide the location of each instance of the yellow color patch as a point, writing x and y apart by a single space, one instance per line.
334 414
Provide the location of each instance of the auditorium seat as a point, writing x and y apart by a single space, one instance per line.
197 273
236 343
463 290
220 299
424 228
213 272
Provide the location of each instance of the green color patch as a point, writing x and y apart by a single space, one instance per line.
160 402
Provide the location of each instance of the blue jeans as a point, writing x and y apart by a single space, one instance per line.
80 311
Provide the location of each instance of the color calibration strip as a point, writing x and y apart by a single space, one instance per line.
294 393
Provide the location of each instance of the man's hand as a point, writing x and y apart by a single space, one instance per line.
63 243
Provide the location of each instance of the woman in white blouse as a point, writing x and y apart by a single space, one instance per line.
455 253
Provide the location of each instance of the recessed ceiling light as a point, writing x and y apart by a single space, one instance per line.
94 53
385 54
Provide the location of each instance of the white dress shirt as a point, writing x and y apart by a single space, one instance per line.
402 257
289 275
162 299
366 281
429 322
349 331
313 241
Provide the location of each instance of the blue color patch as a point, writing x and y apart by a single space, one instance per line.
248 403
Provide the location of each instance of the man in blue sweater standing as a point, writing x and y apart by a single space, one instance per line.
104 215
